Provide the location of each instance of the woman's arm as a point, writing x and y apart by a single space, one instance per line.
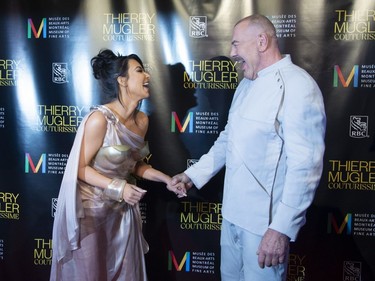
95 129
145 171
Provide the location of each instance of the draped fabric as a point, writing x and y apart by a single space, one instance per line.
96 238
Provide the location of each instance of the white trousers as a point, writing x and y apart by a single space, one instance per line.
239 261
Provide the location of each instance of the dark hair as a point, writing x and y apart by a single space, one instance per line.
107 67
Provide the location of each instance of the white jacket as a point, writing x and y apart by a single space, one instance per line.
272 146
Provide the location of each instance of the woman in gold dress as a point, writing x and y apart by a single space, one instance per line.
97 232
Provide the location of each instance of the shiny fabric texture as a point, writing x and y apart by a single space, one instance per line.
95 238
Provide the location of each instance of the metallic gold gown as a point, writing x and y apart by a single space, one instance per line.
96 238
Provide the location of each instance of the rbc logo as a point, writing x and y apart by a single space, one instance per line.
198 26
59 73
352 270
53 207
191 162
359 126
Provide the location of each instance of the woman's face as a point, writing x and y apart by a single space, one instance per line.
137 82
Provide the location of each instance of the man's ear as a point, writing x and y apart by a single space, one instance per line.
262 42
122 81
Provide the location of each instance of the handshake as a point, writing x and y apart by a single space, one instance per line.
180 184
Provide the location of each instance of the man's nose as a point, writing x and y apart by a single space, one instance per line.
233 53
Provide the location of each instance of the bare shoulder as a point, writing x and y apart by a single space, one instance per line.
93 137
142 122
96 122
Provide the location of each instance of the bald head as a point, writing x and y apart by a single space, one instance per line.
260 22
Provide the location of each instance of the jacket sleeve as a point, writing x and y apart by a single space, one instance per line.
210 163
303 129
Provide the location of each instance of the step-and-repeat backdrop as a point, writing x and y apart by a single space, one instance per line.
46 87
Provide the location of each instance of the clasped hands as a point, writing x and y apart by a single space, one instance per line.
180 184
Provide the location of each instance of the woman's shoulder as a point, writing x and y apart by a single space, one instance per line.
142 121
109 115
97 119
141 116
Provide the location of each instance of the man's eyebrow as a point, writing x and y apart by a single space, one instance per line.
234 42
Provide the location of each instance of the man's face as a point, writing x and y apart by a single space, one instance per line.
245 50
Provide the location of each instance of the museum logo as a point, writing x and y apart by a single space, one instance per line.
197 262
334 227
355 224
200 122
338 76
48 28
51 163
185 125
362 76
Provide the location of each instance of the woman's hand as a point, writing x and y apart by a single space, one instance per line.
178 188
133 194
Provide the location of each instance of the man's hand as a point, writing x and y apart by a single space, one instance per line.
179 189
273 249
182 178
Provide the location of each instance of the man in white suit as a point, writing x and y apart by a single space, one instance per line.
272 147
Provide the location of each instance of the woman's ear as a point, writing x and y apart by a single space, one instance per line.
122 81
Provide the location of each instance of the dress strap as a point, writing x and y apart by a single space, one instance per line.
108 114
